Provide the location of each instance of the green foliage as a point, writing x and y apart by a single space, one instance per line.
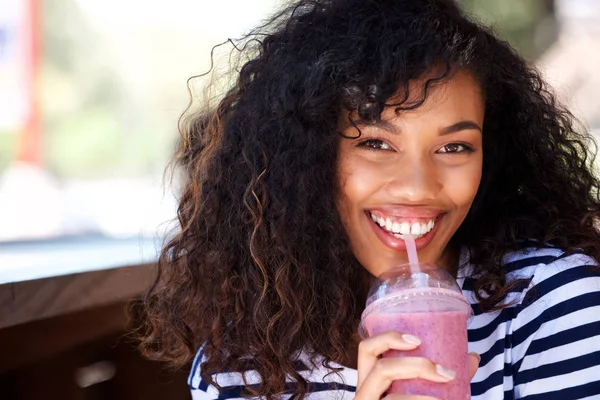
92 128
92 144
527 25
8 147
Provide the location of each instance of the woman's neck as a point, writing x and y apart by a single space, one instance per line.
449 260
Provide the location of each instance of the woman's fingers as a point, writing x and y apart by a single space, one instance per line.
387 370
370 350
473 364
376 373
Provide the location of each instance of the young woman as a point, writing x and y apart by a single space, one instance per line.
353 121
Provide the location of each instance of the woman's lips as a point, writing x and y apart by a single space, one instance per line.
398 244
408 211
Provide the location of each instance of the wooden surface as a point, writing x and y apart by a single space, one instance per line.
27 301
73 317
29 343
44 359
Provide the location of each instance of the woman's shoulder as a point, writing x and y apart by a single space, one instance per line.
550 275
540 263
556 328
558 282
540 277
552 291
549 329
323 382
536 263
549 272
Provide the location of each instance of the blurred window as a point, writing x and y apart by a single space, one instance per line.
90 95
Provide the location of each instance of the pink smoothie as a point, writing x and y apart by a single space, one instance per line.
444 341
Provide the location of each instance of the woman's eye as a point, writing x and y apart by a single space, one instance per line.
454 148
375 144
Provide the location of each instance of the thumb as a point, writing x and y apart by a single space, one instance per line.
473 364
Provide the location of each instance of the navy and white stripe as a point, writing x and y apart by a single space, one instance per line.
323 383
545 344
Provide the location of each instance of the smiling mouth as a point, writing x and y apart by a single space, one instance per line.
398 226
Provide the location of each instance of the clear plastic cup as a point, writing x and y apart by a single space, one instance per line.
423 300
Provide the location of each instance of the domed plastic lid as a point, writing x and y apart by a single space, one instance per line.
404 277
415 289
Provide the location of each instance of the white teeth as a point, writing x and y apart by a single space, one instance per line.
415 229
398 229
405 228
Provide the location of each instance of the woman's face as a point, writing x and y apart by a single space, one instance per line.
417 172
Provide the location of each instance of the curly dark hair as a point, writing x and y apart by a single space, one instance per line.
261 268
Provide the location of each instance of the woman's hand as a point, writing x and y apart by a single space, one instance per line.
375 374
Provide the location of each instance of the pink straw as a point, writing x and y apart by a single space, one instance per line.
413 259
411 249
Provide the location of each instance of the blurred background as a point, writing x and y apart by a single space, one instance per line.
90 95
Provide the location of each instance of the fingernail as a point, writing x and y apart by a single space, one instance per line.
478 357
445 372
411 339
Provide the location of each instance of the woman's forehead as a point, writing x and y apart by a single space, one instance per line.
455 98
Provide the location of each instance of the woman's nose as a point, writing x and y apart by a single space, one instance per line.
413 179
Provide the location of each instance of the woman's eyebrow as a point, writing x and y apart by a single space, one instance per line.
379 124
460 126
392 128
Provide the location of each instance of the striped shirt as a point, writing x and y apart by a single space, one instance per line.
544 345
